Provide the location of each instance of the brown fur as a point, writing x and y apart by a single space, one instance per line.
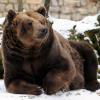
35 57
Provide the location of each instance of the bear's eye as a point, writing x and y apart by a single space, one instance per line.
42 22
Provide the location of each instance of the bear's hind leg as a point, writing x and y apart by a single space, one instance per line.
90 72
90 64
90 68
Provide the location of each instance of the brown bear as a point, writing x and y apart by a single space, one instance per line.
36 57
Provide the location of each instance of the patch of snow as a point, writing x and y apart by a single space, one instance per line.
63 25
2 87
82 27
81 94
99 66
2 20
90 19
98 74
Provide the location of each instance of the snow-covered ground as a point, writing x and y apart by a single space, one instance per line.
71 95
62 26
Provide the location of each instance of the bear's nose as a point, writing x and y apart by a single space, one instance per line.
44 31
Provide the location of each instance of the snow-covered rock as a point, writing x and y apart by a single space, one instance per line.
64 26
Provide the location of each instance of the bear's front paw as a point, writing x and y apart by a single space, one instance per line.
24 88
35 90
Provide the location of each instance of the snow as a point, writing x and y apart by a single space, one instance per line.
2 87
2 20
99 66
65 96
72 95
63 26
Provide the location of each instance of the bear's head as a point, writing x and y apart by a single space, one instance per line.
31 28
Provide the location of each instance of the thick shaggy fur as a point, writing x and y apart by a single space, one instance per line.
33 61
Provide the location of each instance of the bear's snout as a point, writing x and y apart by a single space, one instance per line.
43 32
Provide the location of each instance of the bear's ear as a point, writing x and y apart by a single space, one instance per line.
42 11
11 15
